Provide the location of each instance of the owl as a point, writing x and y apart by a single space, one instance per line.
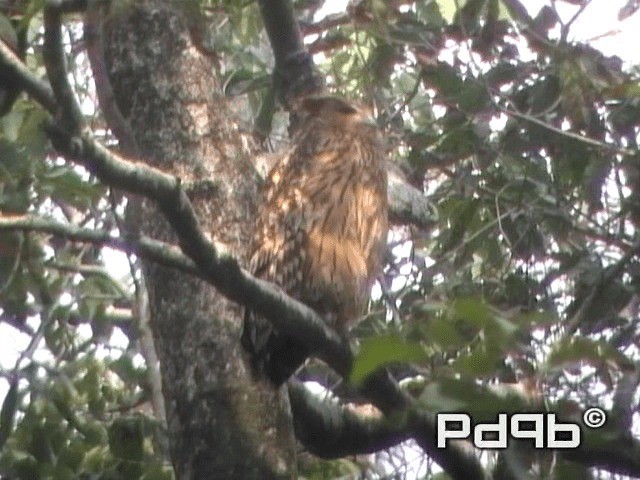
322 227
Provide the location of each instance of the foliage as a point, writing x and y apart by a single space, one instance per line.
526 145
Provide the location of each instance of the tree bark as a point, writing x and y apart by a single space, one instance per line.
221 423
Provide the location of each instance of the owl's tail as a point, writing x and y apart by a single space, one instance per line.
272 354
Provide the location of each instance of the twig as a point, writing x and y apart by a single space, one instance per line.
566 133
566 27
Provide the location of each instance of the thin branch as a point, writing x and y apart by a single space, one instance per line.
286 314
537 39
224 273
609 276
139 178
567 26
6 283
38 89
54 61
71 6
95 51
91 270
282 28
17 321
166 255
565 133
329 43
328 22
618 456
120 317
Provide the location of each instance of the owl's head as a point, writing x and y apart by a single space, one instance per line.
337 112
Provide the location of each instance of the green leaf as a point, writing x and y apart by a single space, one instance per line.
8 412
61 472
125 369
11 124
73 454
473 311
448 8
532 320
382 63
15 178
442 332
459 141
501 74
466 395
158 473
126 439
97 459
470 14
502 10
378 351
243 81
575 351
430 13
565 469
32 139
482 362
66 184
473 97
444 78
409 32
7 33
26 466
460 215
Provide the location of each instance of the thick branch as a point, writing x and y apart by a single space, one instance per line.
294 74
223 272
282 28
331 431
286 314
407 204
619 455
139 178
38 89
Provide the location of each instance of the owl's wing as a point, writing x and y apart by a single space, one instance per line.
276 257
312 237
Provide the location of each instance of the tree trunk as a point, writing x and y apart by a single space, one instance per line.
221 423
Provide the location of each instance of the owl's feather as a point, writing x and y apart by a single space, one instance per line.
322 227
